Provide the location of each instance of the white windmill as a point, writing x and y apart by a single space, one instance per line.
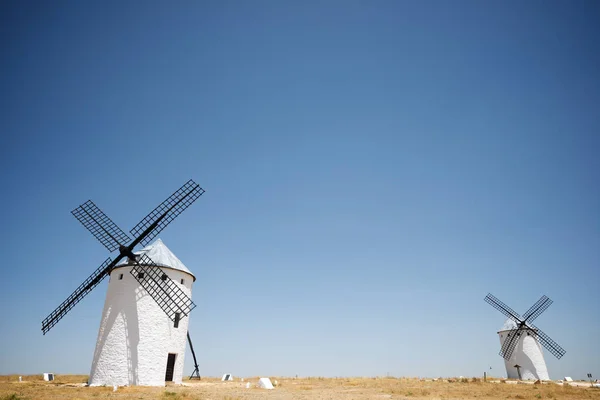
520 341
142 334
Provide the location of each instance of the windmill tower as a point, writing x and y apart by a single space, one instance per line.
142 334
520 341
137 343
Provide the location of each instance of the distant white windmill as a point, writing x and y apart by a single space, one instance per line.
520 341
143 329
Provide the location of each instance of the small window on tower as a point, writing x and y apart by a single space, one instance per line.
120 276
140 275
176 324
182 281
164 277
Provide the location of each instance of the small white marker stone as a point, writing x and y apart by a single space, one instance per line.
265 383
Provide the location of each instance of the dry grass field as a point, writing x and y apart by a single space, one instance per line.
70 387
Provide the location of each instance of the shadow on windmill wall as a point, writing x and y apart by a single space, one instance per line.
119 333
527 364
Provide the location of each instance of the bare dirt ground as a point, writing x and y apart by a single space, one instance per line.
71 387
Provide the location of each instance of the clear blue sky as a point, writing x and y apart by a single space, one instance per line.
373 169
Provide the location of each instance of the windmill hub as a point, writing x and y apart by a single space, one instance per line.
125 251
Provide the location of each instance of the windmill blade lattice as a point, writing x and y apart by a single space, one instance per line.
167 294
510 343
539 307
166 212
102 227
503 308
91 282
548 343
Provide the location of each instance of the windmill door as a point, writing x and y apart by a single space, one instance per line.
170 367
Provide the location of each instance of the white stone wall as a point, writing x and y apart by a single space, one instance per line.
529 355
136 336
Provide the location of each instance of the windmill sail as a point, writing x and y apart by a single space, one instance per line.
539 307
167 294
91 282
102 227
166 212
548 343
510 343
503 308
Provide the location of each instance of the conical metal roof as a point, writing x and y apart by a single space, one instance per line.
162 256
509 324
